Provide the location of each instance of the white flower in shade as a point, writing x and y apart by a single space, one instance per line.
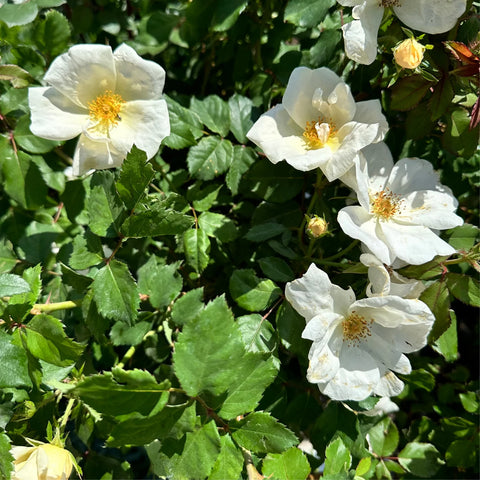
357 344
42 461
318 124
111 99
428 16
386 281
402 207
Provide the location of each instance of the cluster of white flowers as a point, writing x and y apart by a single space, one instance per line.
359 345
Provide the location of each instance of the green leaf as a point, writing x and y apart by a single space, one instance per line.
135 176
408 92
240 110
442 98
213 344
423 272
273 183
23 181
6 459
243 157
11 284
464 237
252 293
257 332
17 76
18 14
122 392
265 231
327 46
383 438
162 283
421 379
203 198
211 157
7 257
213 113
46 340
14 371
458 138
470 401
226 13
218 226
437 298
261 433
87 251
464 288
363 466
290 326
188 306
276 269
196 245
199 454
251 377
141 430
157 219
115 292
123 334
105 208
185 127
447 343
337 458
36 243
229 463
304 13
420 459
289 465
462 454
53 33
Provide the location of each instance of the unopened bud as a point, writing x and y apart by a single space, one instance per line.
317 227
409 53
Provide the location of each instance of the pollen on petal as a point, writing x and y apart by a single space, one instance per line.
385 204
319 133
356 328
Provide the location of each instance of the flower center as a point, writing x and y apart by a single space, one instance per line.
385 204
355 328
389 3
105 110
318 134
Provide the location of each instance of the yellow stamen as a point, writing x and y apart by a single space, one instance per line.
356 328
385 204
105 110
318 134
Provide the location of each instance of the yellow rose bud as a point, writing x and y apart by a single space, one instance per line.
44 461
409 53
317 227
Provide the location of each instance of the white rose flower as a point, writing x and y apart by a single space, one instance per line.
111 99
42 461
402 207
386 281
318 124
357 344
429 16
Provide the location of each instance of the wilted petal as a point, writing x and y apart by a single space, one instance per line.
430 16
137 79
389 385
54 116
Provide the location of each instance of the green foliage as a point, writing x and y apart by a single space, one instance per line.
142 308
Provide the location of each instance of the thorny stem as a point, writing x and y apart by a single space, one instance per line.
211 413
115 250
